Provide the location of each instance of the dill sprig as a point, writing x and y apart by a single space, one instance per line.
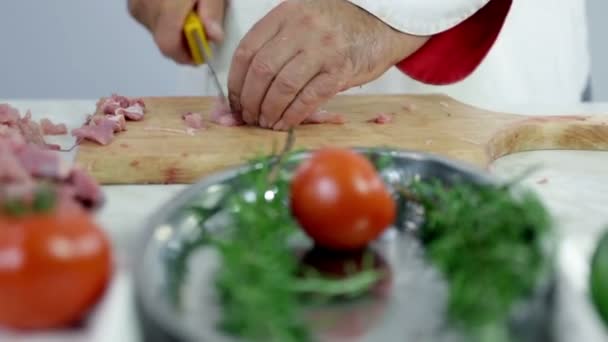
489 243
487 240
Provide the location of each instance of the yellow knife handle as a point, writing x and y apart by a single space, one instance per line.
193 28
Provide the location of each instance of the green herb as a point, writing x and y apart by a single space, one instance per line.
258 283
43 201
488 242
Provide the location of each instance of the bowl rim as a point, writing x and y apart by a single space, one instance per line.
168 322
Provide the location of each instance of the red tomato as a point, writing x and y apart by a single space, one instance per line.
53 268
340 200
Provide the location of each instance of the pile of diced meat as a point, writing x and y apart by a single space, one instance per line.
111 116
222 115
26 161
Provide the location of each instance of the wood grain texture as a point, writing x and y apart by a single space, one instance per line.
158 149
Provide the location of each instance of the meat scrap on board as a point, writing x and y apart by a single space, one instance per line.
111 116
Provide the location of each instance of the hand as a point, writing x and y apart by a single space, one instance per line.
304 52
165 20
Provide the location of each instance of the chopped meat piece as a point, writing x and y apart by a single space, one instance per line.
119 122
85 188
109 105
222 115
193 120
8 114
42 163
11 170
11 134
131 108
26 161
30 130
53 147
228 120
134 112
325 117
101 132
49 128
381 119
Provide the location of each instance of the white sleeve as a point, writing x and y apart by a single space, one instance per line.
421 17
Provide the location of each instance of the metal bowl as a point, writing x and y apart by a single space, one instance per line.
413 309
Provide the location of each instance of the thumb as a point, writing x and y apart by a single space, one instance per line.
211 13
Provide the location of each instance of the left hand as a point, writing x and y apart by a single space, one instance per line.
304 52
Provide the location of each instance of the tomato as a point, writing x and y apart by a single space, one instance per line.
340 201
53 267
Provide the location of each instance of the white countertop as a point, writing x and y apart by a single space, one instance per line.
576 193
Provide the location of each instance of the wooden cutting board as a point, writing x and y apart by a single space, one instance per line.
150 152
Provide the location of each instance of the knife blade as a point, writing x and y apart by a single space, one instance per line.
200 49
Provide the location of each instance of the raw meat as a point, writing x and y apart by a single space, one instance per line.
11 134
381 119
112 113
119 123
41 163
325 117
222 115
49 128
131 108
193 120
8 114
11 170
85 188
134 112
101 132
26 161
30 130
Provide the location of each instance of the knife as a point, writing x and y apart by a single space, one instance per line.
200 49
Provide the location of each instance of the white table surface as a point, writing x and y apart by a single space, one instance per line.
576 193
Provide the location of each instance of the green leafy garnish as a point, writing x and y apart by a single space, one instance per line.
42 201
488 242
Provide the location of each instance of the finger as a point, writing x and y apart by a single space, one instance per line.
318 91
168 32
263 31
211 13
264 67
286 86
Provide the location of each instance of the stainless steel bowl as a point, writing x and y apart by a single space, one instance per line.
413 309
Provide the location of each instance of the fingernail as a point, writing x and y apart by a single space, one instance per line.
278 126
263 122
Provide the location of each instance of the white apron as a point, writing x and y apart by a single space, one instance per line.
540 57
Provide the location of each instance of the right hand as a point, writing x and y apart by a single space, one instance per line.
165 20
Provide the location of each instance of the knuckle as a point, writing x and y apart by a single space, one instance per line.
243 54
326 89
262 69
287 85
309 97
